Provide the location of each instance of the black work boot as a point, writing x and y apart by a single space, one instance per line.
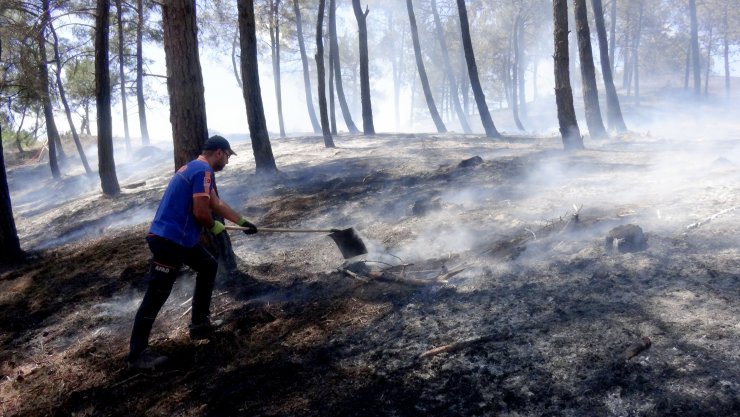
204 329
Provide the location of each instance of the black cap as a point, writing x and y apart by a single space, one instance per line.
218 142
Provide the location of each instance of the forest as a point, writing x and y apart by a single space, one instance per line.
546 192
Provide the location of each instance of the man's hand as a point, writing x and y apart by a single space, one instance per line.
251 228
217 227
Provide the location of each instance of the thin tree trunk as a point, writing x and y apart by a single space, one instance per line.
306 75
569 131
10 246
106 163
422 71
726 52
143 127
63 97
613 109
588 72
335 62
521 67
275 48
263 157
709 63
480 98
448 70
695 48
51 128
328 141
87 118
612 33
18 131
636 58
515 75
687 73
332 110
626 54
234 64
368 126
122 74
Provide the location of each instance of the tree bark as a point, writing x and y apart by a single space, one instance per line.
636 56
10 247
63 97
106 163
612 33
515 75
462 117
275 49
569 131
368 126
306 76
184 80
709 62
335 62
52 133
140 74
613 109
480 98
695 48
122 74
332 109
422 71
588 73
328 141
263 157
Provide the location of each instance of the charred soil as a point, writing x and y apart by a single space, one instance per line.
488 289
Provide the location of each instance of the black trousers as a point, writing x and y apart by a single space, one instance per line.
168 258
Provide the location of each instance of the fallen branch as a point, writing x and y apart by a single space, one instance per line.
125 380
446 276
710 218
463 344
356 276
637 348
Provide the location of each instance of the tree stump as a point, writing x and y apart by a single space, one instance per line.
626 238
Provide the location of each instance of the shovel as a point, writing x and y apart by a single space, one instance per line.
347 240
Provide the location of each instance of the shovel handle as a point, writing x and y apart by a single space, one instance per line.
268 229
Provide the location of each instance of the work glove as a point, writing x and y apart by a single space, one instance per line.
217 227
251 228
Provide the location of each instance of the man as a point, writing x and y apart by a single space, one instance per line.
187 206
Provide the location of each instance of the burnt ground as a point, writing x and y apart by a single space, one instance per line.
488 289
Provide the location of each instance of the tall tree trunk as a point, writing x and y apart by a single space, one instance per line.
636 58
612 33
462 117
275 48
626 54
709 62
687 72
140 73
422 71
695 48
235 53
10 246
122 74
335 63
515 74
263 157
613 109
521 66
184 80
52 133
304 62
563 93
328 141
106 163
588 72
332 110
367 109
63 97
480 98
726 51
87 118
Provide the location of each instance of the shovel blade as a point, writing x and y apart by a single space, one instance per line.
349 243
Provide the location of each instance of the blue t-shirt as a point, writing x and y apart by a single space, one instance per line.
174 219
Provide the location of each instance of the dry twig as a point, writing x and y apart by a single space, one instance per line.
462 344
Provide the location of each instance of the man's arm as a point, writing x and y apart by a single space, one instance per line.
202 210
222 209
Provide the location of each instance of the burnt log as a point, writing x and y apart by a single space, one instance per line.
626 238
